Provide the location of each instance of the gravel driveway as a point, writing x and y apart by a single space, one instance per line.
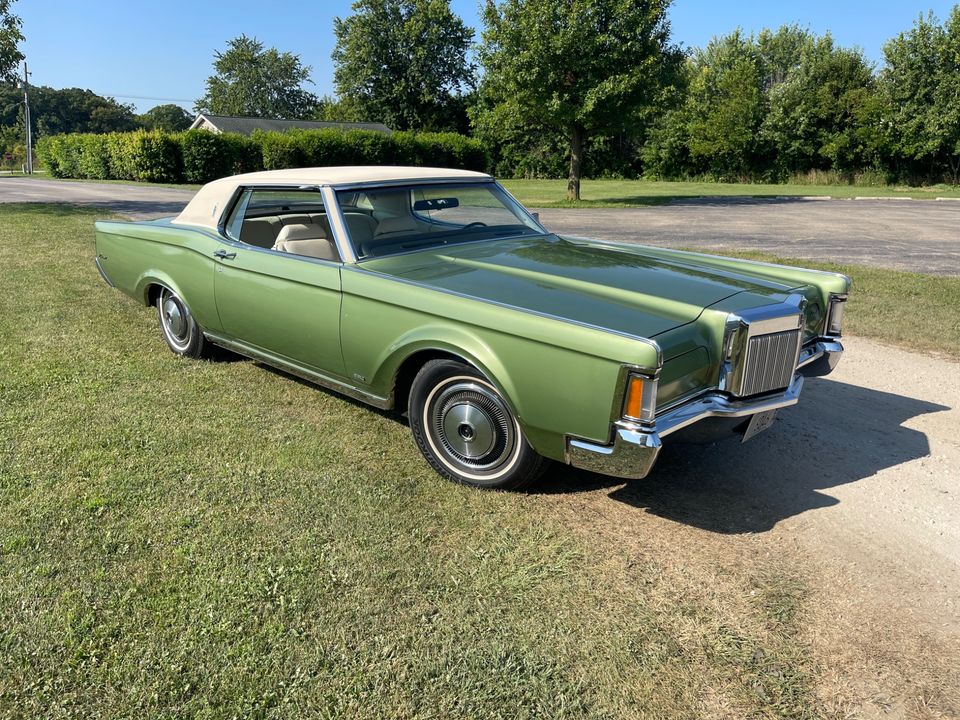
918 235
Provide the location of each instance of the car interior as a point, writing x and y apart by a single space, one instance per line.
379 221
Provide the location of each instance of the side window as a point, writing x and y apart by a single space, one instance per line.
284 220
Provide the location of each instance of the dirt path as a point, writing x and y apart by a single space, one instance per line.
857 490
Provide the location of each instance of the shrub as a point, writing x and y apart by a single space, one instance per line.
208 156
280 150
244 152
48 154
93 158
199 156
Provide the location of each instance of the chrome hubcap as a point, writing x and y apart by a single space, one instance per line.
469 430
471 426
174 319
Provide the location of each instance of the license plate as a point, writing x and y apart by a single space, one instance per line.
758 423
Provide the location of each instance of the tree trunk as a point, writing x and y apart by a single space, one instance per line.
577 136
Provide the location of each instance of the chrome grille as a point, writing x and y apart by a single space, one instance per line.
771 362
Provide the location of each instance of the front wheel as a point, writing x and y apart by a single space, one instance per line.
180 330
466 431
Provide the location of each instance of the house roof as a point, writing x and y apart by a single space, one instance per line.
208 204
246 125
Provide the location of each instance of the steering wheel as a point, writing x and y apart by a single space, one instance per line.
475 223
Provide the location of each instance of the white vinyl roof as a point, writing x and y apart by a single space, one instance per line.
207 205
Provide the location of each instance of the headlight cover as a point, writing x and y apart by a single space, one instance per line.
838 304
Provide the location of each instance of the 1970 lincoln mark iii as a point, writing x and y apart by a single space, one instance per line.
434 292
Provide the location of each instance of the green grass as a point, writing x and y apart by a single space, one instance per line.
214 540
634 193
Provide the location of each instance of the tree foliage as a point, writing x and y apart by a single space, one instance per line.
580 68
10 39
254 81
404 63
67 110
921 92
170 117
816 116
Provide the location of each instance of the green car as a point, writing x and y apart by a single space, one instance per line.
434 293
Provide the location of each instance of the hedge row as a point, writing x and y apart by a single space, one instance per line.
198 156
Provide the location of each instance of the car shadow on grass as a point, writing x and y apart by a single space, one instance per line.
837 434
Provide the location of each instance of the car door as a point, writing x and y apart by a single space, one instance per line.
283 304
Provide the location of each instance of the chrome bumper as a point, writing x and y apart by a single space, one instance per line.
820 358
635 448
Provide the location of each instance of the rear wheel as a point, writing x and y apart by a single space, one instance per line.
466 430
179 328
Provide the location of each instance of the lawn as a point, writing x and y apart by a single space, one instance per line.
633 193
215 540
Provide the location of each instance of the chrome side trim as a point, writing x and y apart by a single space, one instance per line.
384 403
107 280
528 311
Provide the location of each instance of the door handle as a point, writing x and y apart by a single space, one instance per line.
224 255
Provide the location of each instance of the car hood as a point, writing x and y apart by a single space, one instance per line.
615 287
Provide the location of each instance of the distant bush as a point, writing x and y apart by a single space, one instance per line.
208 156
198 156
93 158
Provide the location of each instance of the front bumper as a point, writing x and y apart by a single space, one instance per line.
820 358
635 448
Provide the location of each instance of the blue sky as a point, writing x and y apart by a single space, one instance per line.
148 52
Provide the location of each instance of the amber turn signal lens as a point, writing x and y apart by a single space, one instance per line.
634 406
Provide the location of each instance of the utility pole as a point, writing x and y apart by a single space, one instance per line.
26 114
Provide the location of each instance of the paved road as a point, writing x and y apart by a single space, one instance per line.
923 236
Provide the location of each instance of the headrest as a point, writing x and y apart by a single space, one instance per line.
316 248
297 231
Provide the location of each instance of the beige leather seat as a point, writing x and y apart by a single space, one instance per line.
308 240
261 232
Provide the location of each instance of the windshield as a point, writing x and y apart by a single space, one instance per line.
386 221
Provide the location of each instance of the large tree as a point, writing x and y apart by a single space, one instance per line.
10 39
404 63
66 110
253 81
725 106
814 115
582 67
921 85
